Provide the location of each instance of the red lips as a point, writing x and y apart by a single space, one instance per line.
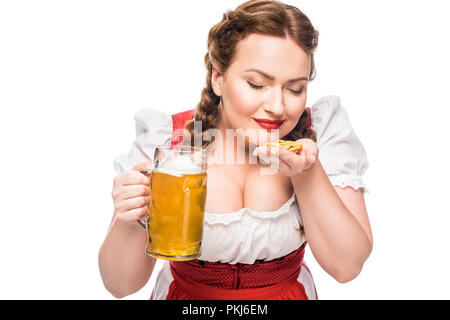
269 121
269 124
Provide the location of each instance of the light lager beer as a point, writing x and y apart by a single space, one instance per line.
177 206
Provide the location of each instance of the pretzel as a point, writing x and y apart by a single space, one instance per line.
292 146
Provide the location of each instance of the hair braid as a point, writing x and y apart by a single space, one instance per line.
207 110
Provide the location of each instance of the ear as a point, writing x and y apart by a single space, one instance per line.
216 82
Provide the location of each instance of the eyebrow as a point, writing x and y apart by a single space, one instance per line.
270 77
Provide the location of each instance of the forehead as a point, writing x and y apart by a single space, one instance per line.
281 57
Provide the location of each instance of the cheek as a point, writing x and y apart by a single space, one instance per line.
295 104
293 115
242 100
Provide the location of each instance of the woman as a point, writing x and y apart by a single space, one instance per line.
260 59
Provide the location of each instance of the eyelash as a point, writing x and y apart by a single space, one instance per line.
260 87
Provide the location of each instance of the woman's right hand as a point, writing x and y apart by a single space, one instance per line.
131 193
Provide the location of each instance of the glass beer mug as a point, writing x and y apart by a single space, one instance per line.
177 203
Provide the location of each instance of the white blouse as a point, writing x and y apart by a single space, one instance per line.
245 236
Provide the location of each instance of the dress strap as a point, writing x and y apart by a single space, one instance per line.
178 121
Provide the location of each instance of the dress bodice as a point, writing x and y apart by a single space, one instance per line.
246 235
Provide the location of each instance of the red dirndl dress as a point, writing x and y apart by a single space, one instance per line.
202 280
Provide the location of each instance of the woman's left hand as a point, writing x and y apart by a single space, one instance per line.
290 163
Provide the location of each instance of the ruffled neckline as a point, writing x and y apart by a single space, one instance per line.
226 218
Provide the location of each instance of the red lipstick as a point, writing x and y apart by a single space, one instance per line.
269 124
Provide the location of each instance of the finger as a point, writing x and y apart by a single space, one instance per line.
134 214
133 203
295 161
284 167
267 151
133 191
312 158
272 155
311 155
309 160
287 155
280 158
132 177
146 166
139 213
311 150
135 177
261 153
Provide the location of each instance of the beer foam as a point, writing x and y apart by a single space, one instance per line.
179 165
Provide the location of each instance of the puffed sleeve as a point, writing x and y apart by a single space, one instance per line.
153 127
341 153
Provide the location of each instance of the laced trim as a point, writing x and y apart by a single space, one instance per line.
348 180
227 218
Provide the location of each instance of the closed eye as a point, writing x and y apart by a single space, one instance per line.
260 87
254 85
297 92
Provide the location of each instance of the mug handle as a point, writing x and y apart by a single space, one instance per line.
143 224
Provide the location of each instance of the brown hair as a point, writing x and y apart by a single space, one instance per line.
270 17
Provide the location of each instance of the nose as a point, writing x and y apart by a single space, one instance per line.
274 104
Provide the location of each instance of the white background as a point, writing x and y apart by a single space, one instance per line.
73 74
